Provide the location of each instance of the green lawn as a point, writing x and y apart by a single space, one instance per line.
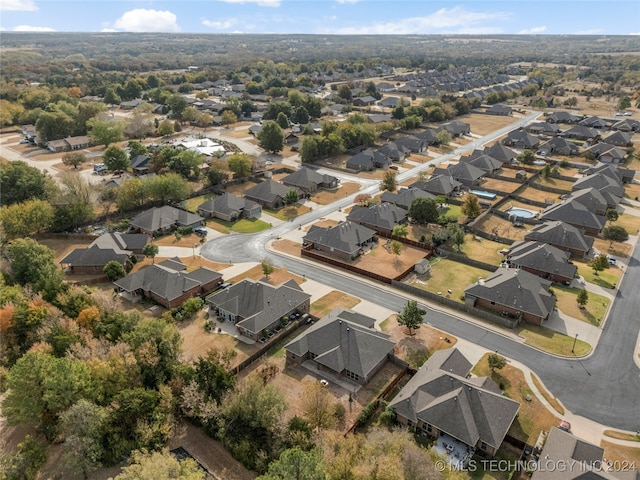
244 225
551 341
452 211
592 313
607 278
289 212
192 203
450 275
482 249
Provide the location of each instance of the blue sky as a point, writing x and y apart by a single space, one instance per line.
592 17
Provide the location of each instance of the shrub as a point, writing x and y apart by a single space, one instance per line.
339 411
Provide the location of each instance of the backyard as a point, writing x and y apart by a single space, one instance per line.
533 416
493 224
482 250
536 195
592 313
324 197
484 124
448 275
564 185
500 185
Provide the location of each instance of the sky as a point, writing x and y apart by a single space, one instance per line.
584 17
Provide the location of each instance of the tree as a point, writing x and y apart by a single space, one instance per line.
32 264
625 102
22 182
456 234
317 405
217 173
396 248
411 316
228 117
282 120
25 463
297 464
291 196
150 250
600 263
424 210
177 104
345 93
114 270
615 233
111 97
26 218
141 123
388 181
240 164
471 206
612 215
400 230
443 137
154 465
73 159
165 128
496 361
582 298
271 137
527 157
105 130
267 267
115 158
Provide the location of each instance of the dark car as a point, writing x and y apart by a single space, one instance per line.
200 231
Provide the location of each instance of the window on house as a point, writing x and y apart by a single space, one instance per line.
493 303
483 446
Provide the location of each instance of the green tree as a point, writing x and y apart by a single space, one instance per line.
612 215
177 104
345 93
600 263
115 158
141 122
228 117
73 159
411 316
424 210
267 267
165 128
310 150
582 298
271 137
32 264
55 124
104 130
22 182
496 362
624 103
217 173
136 148
291 196
410 122
150 250
282 120
297 464
527 157
456 234
111 97
114 270
388 181
615 233
240 164
154 465
396 248
25 463
471 206
26 218
400 230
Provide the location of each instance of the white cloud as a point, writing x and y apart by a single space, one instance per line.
260 3
143 20
18 6
348 1
533 31
29 28
452 20
108 30
220 24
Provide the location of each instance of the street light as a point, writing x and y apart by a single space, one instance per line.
574 344
194 249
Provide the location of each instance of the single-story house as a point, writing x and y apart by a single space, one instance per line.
381 218
368 160
405 197
564 117
600 181
429 136
456 128
256 307
543 260
522 140
619 139
363 101
414 144
465 173
563 236
484 162
595 200
559 146
513 292
498 109
91 260
57 146
576 214
163 219
390 102
624 175
626 125
594 122
441 402
168 283
542 128
438 185
309 181
77 143
607 153
344 241
229 207
580 132
396 152
500 152
269 194
140 164
343 343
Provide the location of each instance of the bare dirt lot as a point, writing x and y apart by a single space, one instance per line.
536 195
279 276
62 246
425 337
485 124
324 197
500 185
503 228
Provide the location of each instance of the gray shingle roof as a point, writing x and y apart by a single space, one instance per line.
340 344
405 196
438 185
465 171
561 235
123 242
267 191
500 152
93 256
306 178
575 214
456 405
345 237
227 204
543 257
483 162
384 215
164 217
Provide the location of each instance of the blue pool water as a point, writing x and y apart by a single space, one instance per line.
481 194
521 212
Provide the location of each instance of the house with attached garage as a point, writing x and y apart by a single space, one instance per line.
229 207
484 162
381 218
443 402
580 132
456 128
543 260
159 220
344 241
310 181
522 140
364 101
542 128
439 185
595 200
91 260
342 343
602 182
501 153
464 173
405 197
69 143
559 146
576 214
619 174
368 160
414 144
257 308
563 236
619 139
498 109
607 153
269 194
396 152
564 117
513 292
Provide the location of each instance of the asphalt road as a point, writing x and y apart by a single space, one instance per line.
604 387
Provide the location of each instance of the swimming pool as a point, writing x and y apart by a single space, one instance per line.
521 212
482 194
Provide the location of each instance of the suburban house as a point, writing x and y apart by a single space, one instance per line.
163 219
513 292
256 307
378 117
441 402
389 102
395 151
580 132
626 125
463 172
309 181
429 136
344 241
563 236
363 101
405 197
140 164
522 140
594 200
564 117
381 218
70 143
500 152
91 260
414 144
368 160
575 214
57 146
601 182
484 162
439 185
344 344
594 122
559 146
563 448
619 139
456 128
269 194
607 153
542 128
129 243
624 175
543 260
168 283
498 109
229 207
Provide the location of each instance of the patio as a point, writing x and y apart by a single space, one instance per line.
457 452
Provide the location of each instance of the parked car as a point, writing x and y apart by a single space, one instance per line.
23 141
564 425
612 261
200 231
